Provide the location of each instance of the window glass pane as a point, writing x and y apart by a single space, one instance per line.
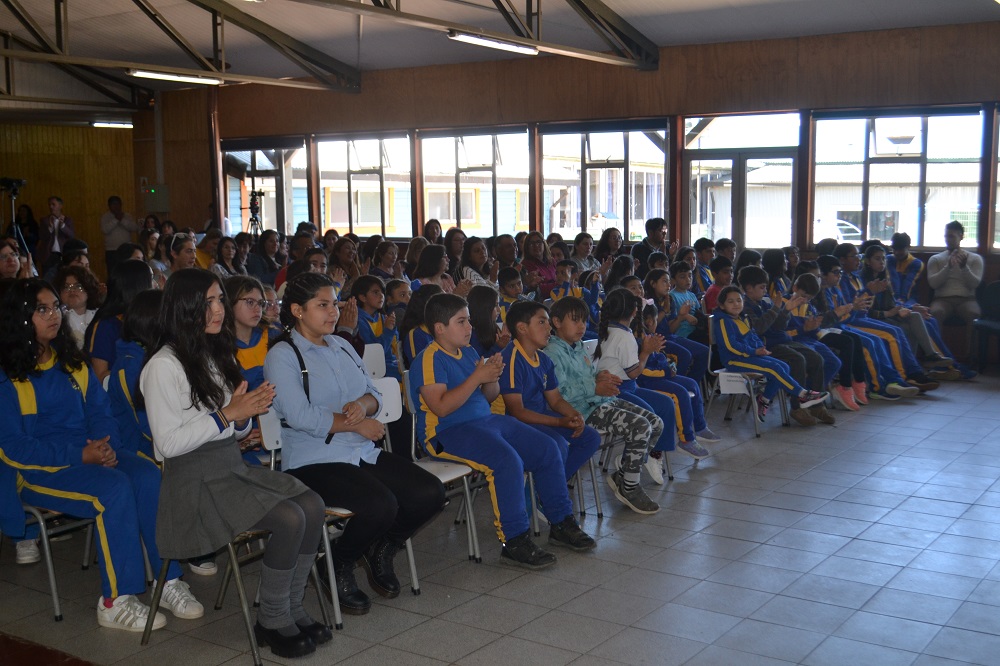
841 140
838 202
439 180
604 200
606 147
399 222
950 137
259 170
896 136
952 194
477 203
475 151
333 184
769 202
367 205
710 205
512 184
561 184
893 200
773 129
364 154
647 155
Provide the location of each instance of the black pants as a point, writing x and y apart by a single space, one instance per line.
392 498
806 365
852 360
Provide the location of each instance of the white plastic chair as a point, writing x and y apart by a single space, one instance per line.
446 472
591 347
374 358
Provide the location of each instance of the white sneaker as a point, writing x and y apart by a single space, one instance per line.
27 552
206 568
127 613
177 599
655 468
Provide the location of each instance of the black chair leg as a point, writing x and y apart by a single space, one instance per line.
155 605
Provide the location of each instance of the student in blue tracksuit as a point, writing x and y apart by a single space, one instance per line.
893 338
413 335
511 289
692 357
139 331
127 279
702 277
61 450
375 328
530 389
454 387
741 350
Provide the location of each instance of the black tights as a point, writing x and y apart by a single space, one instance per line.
852 360
295 525
392 498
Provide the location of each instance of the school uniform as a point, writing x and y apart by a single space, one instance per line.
850 364
250 355
692 357
103 335
47 420
500 447
689 412
812 367
416 341
878 367
133 426
893 338
701 279
737 344
373 331
531 378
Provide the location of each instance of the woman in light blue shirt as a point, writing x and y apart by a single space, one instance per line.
326 402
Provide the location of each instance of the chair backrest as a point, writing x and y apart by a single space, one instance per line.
392 402
591 347
270 430
990 301
374 359
407 398
711 331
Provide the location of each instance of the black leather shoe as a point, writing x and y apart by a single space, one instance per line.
289 647
569 535
521 551
319 633
352 600
377 563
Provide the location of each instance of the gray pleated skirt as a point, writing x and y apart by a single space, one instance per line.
210 495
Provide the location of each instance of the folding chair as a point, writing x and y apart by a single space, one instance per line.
737 384
41 517
232 569
374 358
447 473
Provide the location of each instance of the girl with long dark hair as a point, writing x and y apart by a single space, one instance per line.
127 280
61 440
413 333
198 406
263 263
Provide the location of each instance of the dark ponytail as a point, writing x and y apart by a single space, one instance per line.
618 304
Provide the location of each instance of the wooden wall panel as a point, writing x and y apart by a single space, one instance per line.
917 66
83 165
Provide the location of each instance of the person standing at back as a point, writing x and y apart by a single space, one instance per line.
117 227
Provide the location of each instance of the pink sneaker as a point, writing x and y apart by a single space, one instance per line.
845 397
860 396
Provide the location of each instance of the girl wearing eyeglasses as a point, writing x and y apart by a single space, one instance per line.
78 290
198 406
12 264
60 437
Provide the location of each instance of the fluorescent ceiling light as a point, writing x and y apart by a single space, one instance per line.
495 43
179 78
112 124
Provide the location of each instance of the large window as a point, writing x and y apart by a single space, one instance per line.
265 187
881 175
478 182
365 186
594 181
741 172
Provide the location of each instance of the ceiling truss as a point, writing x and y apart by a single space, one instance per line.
626 46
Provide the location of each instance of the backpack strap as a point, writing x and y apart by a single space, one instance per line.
305 381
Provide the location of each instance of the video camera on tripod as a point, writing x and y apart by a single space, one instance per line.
255 224
12 186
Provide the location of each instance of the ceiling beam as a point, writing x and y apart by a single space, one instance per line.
619 34
58 59
440 25
513 18
161 22
326 68
31 25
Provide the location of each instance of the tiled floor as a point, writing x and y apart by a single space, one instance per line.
873 542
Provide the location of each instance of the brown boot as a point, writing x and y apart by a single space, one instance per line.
803 417
820 414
